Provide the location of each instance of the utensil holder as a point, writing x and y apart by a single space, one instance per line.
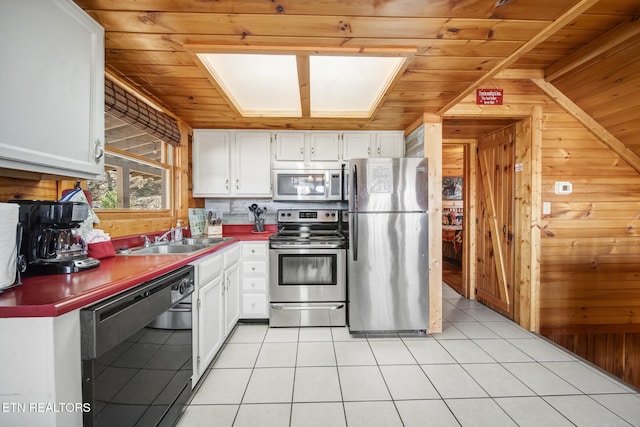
258 225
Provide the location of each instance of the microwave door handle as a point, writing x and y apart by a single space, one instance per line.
354 220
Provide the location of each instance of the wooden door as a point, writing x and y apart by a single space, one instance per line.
495 223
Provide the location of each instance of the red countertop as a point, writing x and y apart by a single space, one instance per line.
53 295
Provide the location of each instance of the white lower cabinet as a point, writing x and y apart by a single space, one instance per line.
255 268
231 297
216 305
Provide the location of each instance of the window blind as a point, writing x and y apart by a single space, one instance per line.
131 109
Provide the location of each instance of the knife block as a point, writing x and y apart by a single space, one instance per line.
214 230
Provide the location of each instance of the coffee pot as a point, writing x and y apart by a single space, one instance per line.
51 242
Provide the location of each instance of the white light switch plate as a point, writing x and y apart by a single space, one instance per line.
546 208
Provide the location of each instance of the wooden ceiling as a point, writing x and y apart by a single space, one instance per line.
590 49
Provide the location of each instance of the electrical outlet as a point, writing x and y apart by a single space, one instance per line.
546 208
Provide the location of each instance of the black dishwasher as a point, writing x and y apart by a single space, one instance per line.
134 374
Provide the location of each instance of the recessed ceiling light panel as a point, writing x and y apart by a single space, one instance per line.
350 86
258 85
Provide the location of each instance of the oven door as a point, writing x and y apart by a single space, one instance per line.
307 275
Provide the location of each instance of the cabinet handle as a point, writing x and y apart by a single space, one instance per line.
226 184
369 151
253 269
378 150
301 150
313 150
98 151
237 184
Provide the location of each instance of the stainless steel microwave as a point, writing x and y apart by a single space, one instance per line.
312 185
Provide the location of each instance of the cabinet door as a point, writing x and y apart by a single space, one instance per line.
52 86
210 306
356 145
231 297
210 158
289 146
389 144
252 164
324 146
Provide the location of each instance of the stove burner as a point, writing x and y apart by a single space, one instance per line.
296 229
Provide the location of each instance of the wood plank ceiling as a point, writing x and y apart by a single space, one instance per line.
587 47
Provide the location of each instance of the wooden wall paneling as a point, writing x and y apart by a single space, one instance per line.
598 130
27 189
452 160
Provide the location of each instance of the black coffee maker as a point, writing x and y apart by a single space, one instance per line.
50 243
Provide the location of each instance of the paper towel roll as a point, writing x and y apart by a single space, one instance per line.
8 226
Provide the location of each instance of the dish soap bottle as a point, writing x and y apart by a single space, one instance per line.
178 232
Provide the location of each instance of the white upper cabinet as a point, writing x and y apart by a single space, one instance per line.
231 163
364 145
389 144
356 145
252 171
289 146
51 89
324 146
211 158
306 147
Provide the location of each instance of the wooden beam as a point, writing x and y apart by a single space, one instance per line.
433 151
520 74
590 123
536 217
604 43
525 48
304 83
528 211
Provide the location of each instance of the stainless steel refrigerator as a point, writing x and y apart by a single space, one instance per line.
388 277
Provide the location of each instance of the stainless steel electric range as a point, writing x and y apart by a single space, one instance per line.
307 269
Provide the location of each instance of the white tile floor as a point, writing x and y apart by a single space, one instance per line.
483 370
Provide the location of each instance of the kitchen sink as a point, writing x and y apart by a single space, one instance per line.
168 249
208 241
187 245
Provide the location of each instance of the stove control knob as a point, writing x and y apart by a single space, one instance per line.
326 214
333 214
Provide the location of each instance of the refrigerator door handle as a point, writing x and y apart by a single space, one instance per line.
354 220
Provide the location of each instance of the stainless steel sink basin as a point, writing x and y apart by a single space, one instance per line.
208 241
187 245
168 249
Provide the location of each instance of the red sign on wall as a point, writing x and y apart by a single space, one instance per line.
489 96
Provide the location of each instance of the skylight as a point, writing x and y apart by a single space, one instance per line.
257 85
300 83
350 86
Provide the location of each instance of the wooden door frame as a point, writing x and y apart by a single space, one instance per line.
528 215
469 233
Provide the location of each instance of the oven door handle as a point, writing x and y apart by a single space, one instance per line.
305 246
305 307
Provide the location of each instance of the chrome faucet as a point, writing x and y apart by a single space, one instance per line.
147 242
168 236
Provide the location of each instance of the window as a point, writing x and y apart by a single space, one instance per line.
138 170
